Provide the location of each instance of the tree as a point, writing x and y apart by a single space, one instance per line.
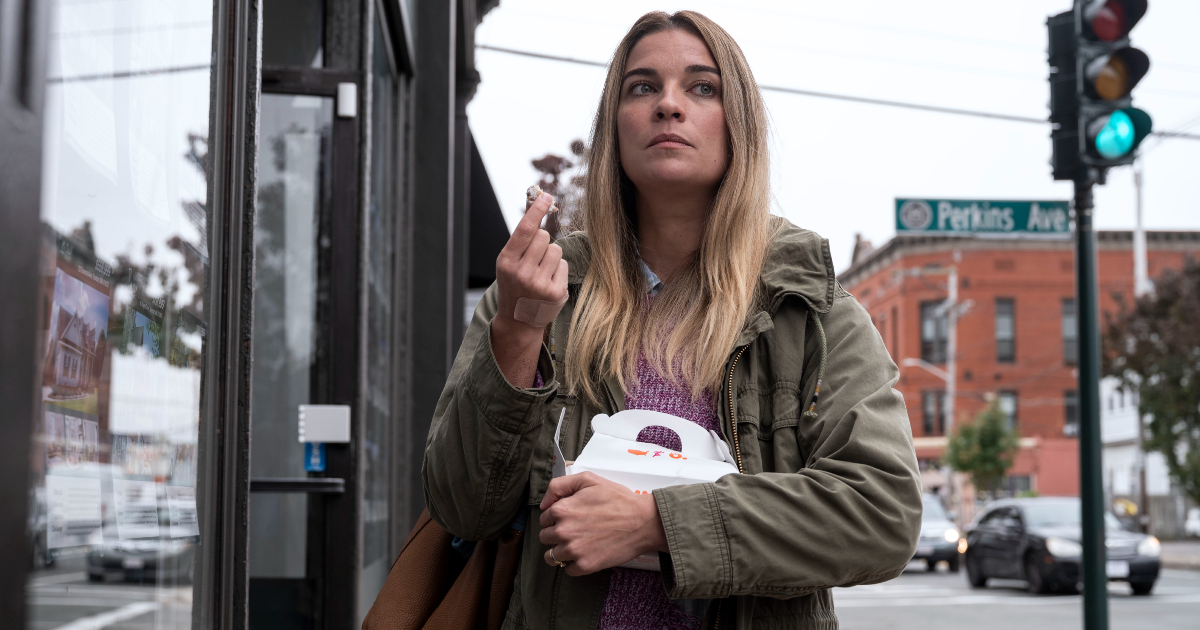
984 448
1154 348
566 189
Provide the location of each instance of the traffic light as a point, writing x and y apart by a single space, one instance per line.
1093 71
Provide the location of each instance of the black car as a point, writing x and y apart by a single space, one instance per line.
939 538
1038 540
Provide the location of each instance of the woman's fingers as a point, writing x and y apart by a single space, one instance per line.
527 227
556 554
536 250
549 265
526 272
549 536
562 487
560 275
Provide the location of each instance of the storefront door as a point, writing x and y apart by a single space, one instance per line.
305 240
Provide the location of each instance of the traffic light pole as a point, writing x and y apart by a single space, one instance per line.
1095 579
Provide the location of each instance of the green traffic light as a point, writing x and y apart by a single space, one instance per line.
1120 132
1115 138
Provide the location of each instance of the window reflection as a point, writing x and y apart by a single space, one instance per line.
123 319
292 172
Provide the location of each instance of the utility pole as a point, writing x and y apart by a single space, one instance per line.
1141 286
951 310
1141 276
1091 483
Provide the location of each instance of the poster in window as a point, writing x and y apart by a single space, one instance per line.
76 339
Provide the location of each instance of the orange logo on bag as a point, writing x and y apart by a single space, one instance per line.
677 456
638 452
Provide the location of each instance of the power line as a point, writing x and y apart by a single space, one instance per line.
129 74
537 55
841 97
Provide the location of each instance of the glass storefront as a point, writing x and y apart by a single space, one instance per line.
122 334
224 236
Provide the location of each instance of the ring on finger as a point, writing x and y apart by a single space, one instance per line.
558 562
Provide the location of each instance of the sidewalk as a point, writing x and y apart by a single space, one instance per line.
1181 554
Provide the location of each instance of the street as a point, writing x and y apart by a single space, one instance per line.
61 598
933 601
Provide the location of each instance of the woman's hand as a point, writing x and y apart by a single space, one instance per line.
592 524
529 267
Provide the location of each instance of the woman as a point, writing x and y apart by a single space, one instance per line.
746 326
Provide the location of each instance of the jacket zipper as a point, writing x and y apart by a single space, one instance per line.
737 451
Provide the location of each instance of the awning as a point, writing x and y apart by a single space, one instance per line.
488 231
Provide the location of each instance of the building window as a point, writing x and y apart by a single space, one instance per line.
1008 406
933 333
1018 484
1070 332
933 405
1005 331
1070 413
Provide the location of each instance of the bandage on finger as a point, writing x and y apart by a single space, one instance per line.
537 313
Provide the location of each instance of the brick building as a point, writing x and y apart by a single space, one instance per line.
1017 342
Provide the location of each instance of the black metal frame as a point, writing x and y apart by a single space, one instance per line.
303 485
222 575
22 76
334 521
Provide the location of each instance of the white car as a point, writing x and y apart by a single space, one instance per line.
1191 527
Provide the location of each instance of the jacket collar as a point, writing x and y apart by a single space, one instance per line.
797 264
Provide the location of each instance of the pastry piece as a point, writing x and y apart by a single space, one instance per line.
531 195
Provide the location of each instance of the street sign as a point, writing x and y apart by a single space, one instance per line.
986 218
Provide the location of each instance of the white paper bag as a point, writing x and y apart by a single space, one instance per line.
614 453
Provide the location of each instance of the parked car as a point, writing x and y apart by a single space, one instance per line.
939 536
142 559
1191 527
1038 540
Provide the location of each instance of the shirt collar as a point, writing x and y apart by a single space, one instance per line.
653 283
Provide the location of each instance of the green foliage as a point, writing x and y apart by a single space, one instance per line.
984 448
1154 348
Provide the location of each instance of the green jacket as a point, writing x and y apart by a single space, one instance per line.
830 495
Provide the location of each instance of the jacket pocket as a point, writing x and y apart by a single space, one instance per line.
767 422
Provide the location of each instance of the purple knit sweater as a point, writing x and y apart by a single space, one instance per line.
636 598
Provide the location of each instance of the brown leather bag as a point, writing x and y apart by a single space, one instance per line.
418 596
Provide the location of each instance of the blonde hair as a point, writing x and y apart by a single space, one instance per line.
690 328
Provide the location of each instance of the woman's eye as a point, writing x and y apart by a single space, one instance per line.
642 88
704 89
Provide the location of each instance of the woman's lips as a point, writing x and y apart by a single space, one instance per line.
668 141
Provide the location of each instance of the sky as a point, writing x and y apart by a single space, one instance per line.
838 166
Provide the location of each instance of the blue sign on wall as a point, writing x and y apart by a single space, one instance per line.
314 456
